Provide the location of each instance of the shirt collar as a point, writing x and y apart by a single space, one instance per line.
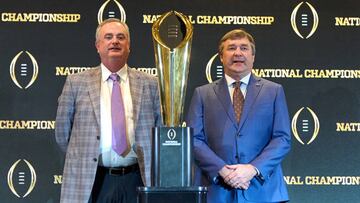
230 80
105 73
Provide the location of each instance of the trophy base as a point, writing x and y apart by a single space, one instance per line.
171 194
172 158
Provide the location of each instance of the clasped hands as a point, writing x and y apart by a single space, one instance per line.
238 175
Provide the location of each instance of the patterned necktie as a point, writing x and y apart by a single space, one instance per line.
238 100
119 142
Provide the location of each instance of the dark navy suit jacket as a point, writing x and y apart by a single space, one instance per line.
262 138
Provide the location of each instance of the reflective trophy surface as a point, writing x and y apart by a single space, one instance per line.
172 36
172 144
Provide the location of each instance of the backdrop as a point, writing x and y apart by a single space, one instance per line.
310 47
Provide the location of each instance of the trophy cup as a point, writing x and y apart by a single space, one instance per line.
172 159
172 144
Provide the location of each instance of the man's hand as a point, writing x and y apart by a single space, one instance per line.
239 176
225 171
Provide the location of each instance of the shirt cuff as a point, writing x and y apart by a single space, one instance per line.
216 180
257 171
258 176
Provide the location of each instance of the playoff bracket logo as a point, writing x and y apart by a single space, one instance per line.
305 128
114 10
301 25
21 178
24 70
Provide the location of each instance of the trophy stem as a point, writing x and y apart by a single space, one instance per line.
172 88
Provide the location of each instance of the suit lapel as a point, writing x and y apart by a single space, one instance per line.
136 92
222 92
94 87
252 92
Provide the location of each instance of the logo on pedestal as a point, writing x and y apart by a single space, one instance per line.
171 134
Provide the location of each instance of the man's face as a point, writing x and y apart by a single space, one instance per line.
237 57
113 42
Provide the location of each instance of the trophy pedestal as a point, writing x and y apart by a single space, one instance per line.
172 157
172 194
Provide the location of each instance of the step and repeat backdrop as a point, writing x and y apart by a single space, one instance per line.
310 47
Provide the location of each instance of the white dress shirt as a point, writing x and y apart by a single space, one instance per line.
109 158
244 83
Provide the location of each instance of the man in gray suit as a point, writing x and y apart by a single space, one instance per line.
94 171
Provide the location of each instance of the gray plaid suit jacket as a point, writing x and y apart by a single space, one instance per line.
78 128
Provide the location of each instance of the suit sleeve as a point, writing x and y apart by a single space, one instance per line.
157 115
65 115
205 158
279 144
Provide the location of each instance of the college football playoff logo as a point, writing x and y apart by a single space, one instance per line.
20 71
171 134
21 178
111 9
214 69
305 129
305 24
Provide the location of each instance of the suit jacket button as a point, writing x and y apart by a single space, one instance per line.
98 137
95 159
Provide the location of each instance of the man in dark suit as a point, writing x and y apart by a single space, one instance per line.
96 170
241 129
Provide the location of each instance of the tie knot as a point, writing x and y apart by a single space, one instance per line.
237 84
114 77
